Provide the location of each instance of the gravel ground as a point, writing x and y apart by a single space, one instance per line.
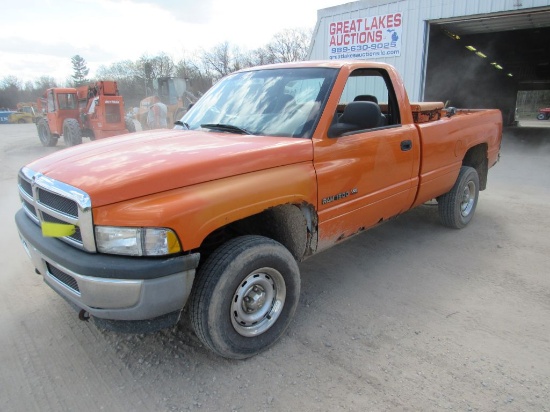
409 316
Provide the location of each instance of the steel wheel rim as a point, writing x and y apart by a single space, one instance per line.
257 302
468 199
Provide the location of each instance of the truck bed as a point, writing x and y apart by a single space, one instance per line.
444 143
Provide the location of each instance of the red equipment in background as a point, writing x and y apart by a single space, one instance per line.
95 111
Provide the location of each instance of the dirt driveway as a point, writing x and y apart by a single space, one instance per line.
408 316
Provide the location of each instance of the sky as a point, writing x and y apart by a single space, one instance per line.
39 37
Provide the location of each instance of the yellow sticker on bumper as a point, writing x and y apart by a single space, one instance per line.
57 229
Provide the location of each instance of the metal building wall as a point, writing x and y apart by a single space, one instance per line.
414 36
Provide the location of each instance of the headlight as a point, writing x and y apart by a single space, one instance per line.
136 241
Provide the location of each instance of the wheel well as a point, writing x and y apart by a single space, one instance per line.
476 157
294 226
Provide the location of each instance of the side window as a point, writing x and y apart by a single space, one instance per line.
72 102
370 85
66 101
51 102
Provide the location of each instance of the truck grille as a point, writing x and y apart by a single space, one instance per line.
75 236
57 202
63 277
48 200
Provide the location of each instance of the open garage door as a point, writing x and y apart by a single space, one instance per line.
487 61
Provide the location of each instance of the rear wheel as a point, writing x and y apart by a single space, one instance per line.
541 116
457 207
71 132
245 296
20 121
44 133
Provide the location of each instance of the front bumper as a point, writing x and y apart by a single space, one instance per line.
107 286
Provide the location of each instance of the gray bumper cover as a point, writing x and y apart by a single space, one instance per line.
107 286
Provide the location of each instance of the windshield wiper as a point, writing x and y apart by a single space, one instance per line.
225 128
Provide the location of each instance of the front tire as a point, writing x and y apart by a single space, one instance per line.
245 296
541 116
457 207
45 134
71 132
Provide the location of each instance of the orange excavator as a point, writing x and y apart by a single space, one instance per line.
95 111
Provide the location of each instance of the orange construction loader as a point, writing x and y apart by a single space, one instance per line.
94 111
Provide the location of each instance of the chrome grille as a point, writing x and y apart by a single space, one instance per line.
29 208
63 277
25 186
48 200
56 202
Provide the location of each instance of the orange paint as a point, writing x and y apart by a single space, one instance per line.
195 182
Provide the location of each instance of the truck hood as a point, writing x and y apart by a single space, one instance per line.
138 164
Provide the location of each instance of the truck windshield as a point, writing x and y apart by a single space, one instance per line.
275 102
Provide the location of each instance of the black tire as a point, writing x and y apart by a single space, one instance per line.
21 121
44 133
130 125
541 116
245 296
457 207
72 135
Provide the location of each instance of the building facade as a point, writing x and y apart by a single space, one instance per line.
445 49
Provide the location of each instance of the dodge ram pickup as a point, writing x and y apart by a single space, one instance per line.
271 166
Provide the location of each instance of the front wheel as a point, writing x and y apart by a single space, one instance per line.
457 207
245 296
45 134
71 132
541 116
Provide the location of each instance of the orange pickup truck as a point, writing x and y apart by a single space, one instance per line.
272 165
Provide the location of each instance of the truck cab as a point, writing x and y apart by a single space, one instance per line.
61 104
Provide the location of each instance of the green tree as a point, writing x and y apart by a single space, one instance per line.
80 70
127 75
151 68
197 80
289 45
10 92
44 82
221 60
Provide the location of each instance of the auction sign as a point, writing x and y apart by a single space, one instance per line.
366 37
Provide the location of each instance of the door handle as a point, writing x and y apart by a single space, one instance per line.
406 145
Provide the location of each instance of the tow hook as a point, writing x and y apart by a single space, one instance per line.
83 315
